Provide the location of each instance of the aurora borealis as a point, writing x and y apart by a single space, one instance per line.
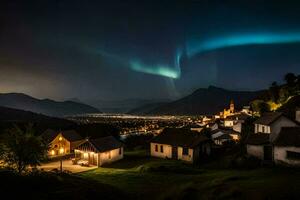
111 50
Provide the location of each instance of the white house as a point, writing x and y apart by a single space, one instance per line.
287 146
180 144
271 123
221 137
259 146
99 151
272 138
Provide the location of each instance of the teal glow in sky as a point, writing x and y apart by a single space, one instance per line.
158 69
196 46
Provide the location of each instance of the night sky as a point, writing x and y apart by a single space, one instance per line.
112 50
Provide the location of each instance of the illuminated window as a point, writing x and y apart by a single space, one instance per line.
156 148
61 150
161 148
52 152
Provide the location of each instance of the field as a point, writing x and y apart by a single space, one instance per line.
142 177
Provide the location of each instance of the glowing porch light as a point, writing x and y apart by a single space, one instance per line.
60 138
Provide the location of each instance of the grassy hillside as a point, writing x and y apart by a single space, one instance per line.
150 178
53 186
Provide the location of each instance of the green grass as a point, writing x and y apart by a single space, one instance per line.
143 177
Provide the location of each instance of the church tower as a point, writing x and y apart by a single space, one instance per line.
231 106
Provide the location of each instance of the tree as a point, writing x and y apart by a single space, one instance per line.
20 148
290 79
274 92
260 106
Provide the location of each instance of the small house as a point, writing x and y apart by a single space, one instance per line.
180 144
61 142
99 151
271 123
221 137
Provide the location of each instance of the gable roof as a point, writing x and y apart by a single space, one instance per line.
225 131
288 136
268 118
70 135
180 137
101 144
258 139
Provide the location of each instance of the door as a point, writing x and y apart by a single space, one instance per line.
268 153
174 153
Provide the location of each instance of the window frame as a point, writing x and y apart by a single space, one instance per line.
185 151
161 148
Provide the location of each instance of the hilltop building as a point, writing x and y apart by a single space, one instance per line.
228 112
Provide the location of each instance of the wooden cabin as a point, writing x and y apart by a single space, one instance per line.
62 142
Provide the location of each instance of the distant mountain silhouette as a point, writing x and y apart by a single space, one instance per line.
44 106
209 100
11 116
144 109
123 106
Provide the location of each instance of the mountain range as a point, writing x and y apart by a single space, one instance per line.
203 101
44 106
122 106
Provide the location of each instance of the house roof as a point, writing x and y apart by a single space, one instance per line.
225 131
258 139
268 118
70 135
288 136
104 144
224 136
240 116
180 137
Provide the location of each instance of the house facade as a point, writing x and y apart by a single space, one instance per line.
271 123
180 144
61 142
99 151
275 139
287 146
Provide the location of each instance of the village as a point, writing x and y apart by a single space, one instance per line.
150 100
275 140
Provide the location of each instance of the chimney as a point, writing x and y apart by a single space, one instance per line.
298 115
